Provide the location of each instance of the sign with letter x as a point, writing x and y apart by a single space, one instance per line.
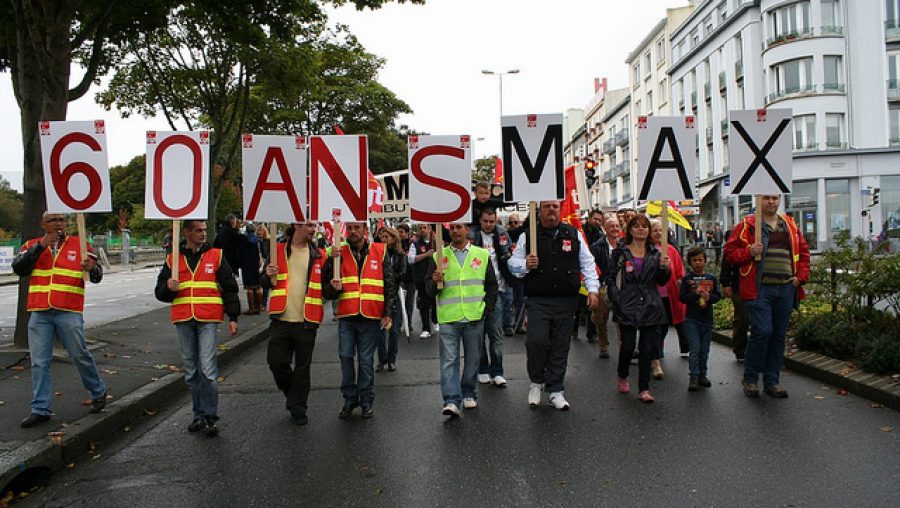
760 151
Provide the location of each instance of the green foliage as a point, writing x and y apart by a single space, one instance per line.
141 227
869 336
881 354
723 314
10 209
484 169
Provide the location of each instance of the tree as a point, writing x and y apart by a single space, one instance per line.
484 169
10 210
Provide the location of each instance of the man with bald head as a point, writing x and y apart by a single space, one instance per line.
602 251
56 302
552 278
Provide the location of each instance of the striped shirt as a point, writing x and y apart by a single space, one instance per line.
777 267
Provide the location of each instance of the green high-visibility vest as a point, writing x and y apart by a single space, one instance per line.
463 293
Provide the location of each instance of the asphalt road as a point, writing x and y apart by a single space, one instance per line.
714 447
119 295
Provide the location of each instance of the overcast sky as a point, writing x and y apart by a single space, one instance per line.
434 57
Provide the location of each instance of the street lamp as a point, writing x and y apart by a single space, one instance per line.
500 75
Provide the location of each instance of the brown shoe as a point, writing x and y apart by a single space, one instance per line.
776 392
657 370
751 390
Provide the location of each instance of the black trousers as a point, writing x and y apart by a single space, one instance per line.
291 342
647 346
427 307
410 303
550 323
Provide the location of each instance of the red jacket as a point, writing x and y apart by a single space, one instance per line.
676 273
737 253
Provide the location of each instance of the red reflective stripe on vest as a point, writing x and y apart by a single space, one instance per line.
56 290
186 305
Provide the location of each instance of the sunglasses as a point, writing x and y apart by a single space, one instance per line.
55 219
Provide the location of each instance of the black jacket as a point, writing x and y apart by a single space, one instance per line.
390 281
502 245
397 260
635 299
730 274
600 251
228 286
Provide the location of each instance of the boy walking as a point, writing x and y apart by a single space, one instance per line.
699 291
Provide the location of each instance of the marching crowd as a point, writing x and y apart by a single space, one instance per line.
484 284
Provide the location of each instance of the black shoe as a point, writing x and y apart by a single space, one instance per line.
508 331
592 340
604 355
392 367
704 382
751 390
739 358
693 384
776 391
34 419
196 424
379 367
521 331
368 412
211 429
299 416
347 410
98 405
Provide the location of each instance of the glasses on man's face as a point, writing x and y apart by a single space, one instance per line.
54 219
513 223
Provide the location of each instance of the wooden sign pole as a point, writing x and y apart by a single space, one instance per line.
759 224
82 241
532 228
439 250
336 247
664 219
273 250
176 244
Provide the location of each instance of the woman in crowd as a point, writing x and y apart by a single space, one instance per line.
249 255
262 233
635 271
389 342
671 302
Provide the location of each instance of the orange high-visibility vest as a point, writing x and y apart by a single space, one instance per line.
363 292
313 311
57 282
198 292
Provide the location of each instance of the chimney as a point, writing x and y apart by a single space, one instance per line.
596 85
600 84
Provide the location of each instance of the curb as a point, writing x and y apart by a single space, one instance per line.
874 387
93 428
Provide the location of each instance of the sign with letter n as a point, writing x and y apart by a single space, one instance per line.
666 161
760 151
533 157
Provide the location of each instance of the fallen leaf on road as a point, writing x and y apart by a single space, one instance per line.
70 465
887 428
19 368
56 437
126 357
15 377
64 424
58 394
127 429
95 457
876 405
819 397
847 370
151 411
378 490
562 482
108 371
220 379
154 379
86 402
109 355
1 402
842 392
173 368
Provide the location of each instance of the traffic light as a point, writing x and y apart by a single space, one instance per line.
875 192
590 172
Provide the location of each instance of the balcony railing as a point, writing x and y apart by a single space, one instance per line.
893 89
681 104
831 30
810 146
791 90
622 138
722 83
724 126
895 141
709 135
788 36
892 29
835 145
834 87
739 70
694 101
706 92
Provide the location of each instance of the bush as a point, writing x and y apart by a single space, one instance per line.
882 355
723 314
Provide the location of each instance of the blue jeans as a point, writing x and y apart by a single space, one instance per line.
358 338
505 300
69 329
389 340
699 335
769 317
197 341
470 334
491 355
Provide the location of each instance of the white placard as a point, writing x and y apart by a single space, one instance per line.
7 254
759 151
395 200
666 162
76 170
274 178
177 175
338 167
440 178
532 157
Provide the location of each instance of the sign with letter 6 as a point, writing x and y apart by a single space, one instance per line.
76 171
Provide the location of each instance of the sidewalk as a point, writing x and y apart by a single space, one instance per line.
138 360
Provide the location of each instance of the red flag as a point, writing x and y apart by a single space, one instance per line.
498 171
568 209
376 193
338 130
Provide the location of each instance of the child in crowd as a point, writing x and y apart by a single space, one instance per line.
699 291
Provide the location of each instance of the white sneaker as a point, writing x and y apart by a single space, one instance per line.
436 327
425 335
534 394
484 378
557 400
470 403
499 381
451 410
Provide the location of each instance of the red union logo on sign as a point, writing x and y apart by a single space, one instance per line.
151 137
247 140
464 141
642 122
45 128
336 214
414 142
204 137
99 127
300 142
532 121
689 122
761 115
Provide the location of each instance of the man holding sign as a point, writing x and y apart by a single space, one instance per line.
56 303
771 288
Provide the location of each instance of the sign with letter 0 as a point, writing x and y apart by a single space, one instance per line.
177 175
274 175
76 170
532 157
666 163
759 151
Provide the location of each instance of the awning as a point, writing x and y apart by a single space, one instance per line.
704 190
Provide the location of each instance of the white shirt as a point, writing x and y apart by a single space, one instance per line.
586 264
487 239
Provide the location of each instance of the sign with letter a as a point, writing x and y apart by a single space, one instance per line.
440 177
274 174
666 163
76 171
338 167
177 175
532 157
760 151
